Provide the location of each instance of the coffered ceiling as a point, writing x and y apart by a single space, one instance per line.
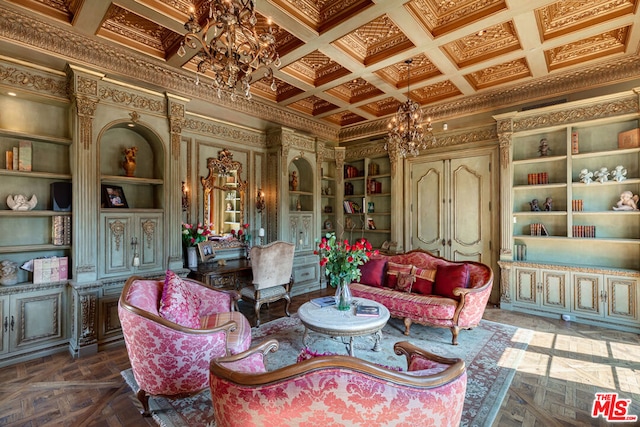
343 61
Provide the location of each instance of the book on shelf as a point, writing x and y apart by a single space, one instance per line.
24 156
324 301
367 310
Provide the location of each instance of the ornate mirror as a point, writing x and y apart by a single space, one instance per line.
224 192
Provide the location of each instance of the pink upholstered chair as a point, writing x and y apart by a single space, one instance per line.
271 266
172 360
337 390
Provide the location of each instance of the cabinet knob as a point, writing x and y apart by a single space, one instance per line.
12 323
6 323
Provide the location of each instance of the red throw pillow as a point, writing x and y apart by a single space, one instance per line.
393 270
405 281
424 281
178 304
373 272
449 277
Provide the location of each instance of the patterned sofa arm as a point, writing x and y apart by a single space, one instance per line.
339 390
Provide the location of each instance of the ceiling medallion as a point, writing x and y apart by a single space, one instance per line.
230 46
405 128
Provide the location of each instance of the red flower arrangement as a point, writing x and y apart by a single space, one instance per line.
342 260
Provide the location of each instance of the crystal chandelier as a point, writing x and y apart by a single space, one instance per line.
405 128
230 47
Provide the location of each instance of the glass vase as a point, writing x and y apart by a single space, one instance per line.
343 296
192 257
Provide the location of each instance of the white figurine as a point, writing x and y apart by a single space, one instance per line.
19 202
619 173
627 202
602 175
8 272
586 177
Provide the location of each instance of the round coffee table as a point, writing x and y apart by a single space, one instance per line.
330 321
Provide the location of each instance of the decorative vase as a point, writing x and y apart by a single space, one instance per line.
343 297
192 257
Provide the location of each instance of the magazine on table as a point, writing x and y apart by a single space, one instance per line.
324 301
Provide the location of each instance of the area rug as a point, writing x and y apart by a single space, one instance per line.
492 352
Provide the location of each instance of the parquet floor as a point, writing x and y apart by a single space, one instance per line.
564 365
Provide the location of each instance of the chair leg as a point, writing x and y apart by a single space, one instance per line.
257 310
143 397
286 306
454 332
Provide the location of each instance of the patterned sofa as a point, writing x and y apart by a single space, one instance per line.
420 287
337 390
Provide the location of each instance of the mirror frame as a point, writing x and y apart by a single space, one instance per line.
221 166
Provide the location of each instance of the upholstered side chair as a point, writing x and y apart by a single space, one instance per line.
171 360
338 390
271 265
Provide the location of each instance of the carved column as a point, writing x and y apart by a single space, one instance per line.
505 136
83 91
340 154
173 205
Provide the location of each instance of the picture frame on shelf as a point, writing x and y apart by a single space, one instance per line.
113 197
328 225
206 251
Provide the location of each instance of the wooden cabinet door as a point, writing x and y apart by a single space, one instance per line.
428 214
526 283
117 256
5 320
37 318
301 231
149 237
587 294
622 293
554 290
451 208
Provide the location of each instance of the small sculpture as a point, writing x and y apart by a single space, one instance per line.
129 163
586 177
8 272
544 149
19 202
547 204
627 202
294 181
602 175
534 205
619 173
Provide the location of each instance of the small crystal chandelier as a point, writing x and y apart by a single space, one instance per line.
230 47
405 128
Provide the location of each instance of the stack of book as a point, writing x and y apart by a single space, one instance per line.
538 178
538 229
584 231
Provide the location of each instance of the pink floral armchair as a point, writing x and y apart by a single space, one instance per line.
337 390
172 360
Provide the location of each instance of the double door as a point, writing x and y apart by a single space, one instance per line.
132 242
450 207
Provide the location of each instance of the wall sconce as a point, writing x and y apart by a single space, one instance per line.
260 203
185 197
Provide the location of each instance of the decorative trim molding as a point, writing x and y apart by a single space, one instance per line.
616 70
45 36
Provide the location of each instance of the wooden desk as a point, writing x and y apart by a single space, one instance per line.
235 274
